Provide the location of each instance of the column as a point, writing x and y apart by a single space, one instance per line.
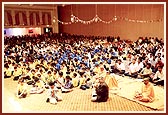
6 21
20 18
40 16
13 16
28 19
46 18
34 18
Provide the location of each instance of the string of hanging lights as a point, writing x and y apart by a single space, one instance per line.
97 19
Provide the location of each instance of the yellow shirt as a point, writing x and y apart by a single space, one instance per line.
22 87
96 70
8 72
71 74
16 73
55 76
82 81
75 82
43 77
50 78
32 66
40 84
147 71
20 71
31 75
23 70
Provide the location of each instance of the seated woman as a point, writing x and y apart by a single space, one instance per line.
100 92
147 92
22 88
53 97
38 87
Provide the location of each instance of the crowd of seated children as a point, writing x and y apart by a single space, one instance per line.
53 58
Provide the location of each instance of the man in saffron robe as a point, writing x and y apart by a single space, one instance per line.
147 92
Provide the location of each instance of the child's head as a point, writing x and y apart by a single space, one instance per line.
51 84
74 75
68 78
49 73
21 81
60 73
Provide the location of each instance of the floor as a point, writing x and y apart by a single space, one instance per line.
75 101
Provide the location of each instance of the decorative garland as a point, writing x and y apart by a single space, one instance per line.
96 19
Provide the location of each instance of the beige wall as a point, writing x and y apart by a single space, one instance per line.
122 28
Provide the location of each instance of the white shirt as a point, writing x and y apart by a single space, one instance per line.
121 66
139 66
133 67
159 75
153 62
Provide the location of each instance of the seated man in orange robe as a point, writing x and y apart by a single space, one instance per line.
111 81
147 92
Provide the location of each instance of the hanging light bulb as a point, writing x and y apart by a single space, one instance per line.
76 19
72 18
96 18
115 18
54 20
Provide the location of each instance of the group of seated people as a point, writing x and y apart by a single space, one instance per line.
50 64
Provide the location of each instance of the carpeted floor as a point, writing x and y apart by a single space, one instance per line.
75 101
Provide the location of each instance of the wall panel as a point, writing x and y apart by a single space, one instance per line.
124 29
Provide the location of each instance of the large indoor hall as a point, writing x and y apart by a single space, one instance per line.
80 57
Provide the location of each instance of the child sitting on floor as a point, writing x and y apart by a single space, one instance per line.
53 97
67 87
38 87
22 88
